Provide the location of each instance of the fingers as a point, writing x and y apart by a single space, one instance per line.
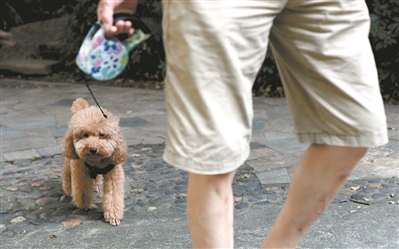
124 27
105 12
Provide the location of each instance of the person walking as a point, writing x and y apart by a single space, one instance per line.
214 50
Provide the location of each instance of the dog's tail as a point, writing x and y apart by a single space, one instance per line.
79 104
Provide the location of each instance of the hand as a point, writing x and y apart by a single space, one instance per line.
106 10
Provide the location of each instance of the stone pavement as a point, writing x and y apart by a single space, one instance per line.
34 118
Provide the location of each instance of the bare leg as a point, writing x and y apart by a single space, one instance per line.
210 210
319 176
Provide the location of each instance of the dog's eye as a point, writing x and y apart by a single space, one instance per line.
85 135
101 135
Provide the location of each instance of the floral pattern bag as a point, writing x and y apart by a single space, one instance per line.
105 58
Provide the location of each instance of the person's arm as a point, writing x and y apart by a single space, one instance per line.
106 10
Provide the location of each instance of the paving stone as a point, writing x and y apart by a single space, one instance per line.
2 228
43 201
64 102
95 215
288 146
275 161
138 209
24 143
263 153
15 206
263 203
258 125
58 131
133 122
36 222
80 212
8 234
273 135
379 196
274 176
17 220
163 182
8 132
359 196
242 206
50 151
29 66
23 154
62 212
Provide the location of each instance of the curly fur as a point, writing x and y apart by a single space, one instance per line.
95 140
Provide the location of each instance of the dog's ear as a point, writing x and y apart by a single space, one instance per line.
68 148
120 152
79 104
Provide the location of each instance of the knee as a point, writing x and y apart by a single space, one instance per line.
358 153
221 184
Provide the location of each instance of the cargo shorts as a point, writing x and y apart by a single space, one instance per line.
214 50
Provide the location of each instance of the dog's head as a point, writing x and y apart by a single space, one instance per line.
91 137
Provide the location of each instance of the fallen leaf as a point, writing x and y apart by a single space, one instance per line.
366 199
352 211
238 199
151 208
129 111
182 195
355 188
146 148
136 166
375 185
137 190
17 220
72 222
358 207
243 176
268 189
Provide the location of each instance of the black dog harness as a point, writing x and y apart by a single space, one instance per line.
94 170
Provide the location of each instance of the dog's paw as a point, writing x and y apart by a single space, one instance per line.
111 219
114 222
92 206
97 189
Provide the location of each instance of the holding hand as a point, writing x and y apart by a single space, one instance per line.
107 8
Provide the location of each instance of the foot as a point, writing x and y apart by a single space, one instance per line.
112 219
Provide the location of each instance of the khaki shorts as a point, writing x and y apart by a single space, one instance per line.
215 49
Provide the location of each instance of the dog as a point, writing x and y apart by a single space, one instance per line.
94 151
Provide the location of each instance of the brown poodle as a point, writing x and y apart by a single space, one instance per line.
93 146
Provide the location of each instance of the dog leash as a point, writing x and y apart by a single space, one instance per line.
97 52
87 84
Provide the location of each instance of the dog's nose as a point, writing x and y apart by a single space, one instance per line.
93 150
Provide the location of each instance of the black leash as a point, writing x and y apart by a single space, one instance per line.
85 80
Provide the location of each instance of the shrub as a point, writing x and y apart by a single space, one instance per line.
384 37
147 62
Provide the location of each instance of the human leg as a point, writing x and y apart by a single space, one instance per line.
210 210
318 178
327 67
214 50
